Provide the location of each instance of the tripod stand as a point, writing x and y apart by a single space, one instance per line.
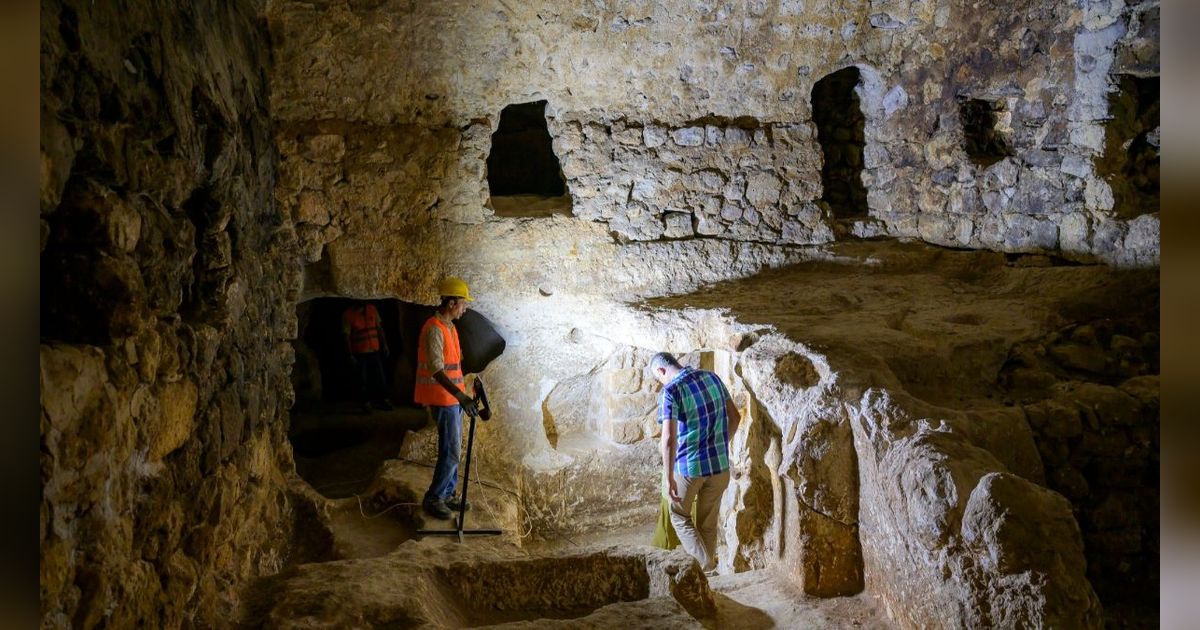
484 411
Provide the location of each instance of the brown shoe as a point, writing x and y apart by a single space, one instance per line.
438 509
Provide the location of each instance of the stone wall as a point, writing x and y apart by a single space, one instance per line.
729 178
675 120
167 281
1097 429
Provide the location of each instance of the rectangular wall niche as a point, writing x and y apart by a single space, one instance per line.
524 176
984 143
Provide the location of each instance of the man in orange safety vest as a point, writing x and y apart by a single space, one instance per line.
368 347
441 388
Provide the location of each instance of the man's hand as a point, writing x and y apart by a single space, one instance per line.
734 417
672 491
468 404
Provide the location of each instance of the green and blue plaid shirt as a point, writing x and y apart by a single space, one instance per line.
695 400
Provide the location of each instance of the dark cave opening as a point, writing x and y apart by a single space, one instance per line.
840 131
339 445
322 372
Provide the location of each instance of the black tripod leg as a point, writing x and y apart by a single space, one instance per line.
462 508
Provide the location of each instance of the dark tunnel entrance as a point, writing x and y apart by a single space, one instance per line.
337 444
323 372
841 133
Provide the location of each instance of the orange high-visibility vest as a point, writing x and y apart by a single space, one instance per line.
364 329
428 391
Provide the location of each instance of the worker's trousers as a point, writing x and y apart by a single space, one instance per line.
699 538
445 471
372 386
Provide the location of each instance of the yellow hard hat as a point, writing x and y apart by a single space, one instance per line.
454 287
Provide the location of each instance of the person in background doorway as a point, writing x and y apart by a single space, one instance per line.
699 418
441 388
368 347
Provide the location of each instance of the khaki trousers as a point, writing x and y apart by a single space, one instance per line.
700 538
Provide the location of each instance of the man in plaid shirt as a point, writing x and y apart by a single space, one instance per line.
698 418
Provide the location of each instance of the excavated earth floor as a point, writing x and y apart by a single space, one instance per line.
339 451
937 323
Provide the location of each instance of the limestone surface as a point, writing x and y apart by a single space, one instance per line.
166 288
439 583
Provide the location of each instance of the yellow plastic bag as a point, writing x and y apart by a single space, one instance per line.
664 532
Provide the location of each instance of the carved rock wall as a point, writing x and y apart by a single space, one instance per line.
952 538
167 281
673 119
814 464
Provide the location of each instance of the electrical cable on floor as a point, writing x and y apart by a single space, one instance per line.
358 497
485 482
521 509
527 523
361 511
342 483
487 503
385 510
